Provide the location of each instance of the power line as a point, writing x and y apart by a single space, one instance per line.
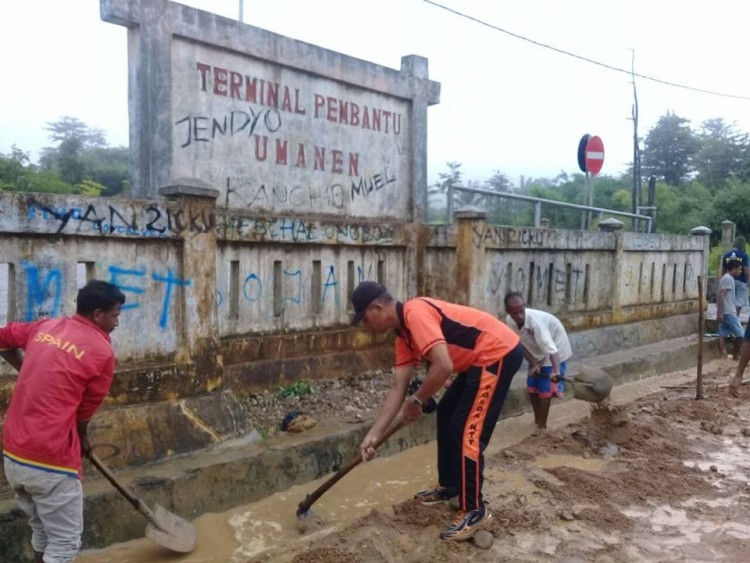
581 58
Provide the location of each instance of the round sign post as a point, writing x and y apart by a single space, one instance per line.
590 161
594 155
582 151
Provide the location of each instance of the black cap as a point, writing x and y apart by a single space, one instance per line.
363 295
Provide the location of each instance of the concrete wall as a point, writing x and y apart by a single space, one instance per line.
586 278
264 300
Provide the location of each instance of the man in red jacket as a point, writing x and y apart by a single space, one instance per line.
65 373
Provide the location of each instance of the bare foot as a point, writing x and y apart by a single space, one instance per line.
734 391
539 432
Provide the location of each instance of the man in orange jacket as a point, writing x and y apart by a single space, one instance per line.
452 338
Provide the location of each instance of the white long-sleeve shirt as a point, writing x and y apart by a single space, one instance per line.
542 335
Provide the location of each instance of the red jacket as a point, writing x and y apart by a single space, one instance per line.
66 373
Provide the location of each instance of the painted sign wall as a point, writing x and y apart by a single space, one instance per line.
274 139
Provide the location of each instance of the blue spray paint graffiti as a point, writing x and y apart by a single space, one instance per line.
116 277
361 276
41 301
115 272
171 281
252 289
330 282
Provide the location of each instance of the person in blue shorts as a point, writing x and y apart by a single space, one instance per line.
546 348
729 321
740 282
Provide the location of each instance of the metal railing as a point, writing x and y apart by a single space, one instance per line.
586 210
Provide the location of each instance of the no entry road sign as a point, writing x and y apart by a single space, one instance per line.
594 157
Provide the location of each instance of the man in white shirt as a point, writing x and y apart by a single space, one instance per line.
546 348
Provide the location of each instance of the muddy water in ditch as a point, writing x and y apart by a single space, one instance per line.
260 527
240 533
253 529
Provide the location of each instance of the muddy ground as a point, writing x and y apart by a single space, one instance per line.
664 478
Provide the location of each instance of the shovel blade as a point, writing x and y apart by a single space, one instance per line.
592 384
171 531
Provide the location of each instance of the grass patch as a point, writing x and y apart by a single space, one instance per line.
296 389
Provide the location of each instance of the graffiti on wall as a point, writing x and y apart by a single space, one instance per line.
504 277
635 274
158 221
44 289
290 229
254 288
256 194
132 281
277 139
505 236
108 218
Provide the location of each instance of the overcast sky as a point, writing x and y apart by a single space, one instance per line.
506 104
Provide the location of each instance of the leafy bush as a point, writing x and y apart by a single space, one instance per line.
296 389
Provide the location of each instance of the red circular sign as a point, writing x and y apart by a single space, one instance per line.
594 155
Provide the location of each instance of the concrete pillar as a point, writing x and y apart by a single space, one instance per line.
201 346
418 67
705 232
544 223
615 226
727 235
616 274
611 225
149 90
425 94
470 257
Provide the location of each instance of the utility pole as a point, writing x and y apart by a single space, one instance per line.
636 198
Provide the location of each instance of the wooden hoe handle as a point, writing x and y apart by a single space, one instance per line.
305 505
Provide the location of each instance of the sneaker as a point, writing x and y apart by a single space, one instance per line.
434 495
466 524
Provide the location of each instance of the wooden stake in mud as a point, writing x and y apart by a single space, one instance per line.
701 306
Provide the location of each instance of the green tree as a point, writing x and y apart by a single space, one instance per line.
743 174
81 153
722 152
14 169
438 192
108 166
679 209
670 148
18 174
732 203
90 188
499 209
72 137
